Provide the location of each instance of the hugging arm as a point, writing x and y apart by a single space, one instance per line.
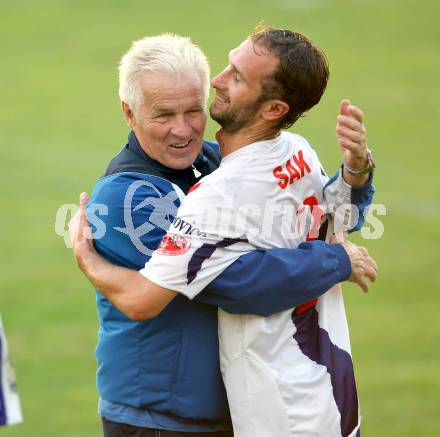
265 282
133 294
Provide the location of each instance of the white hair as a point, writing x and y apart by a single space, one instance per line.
166 53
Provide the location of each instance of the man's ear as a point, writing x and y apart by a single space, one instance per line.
128 114
274 110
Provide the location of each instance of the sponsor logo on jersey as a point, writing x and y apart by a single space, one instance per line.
187 228
173 245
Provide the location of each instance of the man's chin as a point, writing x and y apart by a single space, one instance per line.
217 114
218 117
214 116
229 121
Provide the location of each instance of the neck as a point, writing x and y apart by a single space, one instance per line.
231 141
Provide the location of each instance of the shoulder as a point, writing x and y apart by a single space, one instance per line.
119 185
135 195
209 158
208 189
302 145
298 141
134 211
212 147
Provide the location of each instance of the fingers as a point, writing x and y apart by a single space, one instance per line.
363 284
366 272
363 250
369 262
79 228
373 264
371 267
361 276
368 268
358 148
361 281
344 107
81 235
364 268
370 273
83 199
351 134
84 228
351 123
356 113
73 227
84 224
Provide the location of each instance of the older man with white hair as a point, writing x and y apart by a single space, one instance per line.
162 376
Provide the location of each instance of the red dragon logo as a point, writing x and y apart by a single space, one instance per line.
173 245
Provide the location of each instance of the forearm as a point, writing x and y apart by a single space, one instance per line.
362 198
265 282
133 294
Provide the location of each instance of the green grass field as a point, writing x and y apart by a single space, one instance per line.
60 124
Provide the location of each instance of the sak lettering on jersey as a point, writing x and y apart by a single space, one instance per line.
289 172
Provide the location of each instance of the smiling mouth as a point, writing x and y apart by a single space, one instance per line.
180 145
221 99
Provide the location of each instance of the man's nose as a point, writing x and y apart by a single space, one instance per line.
181 128
219 80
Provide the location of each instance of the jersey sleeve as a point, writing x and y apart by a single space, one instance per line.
347 203
200 244
265 282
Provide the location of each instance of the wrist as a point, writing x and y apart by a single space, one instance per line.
366 165
340 252
354 181
359 173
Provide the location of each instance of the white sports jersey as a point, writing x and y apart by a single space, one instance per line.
10 411
289 374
